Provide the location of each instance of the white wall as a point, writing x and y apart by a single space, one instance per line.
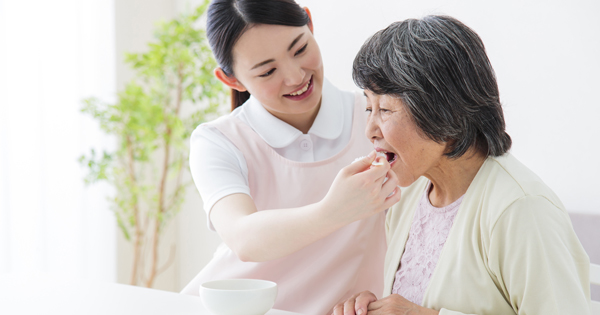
52 55
545 57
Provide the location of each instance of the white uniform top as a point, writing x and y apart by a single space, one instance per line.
328 271
224 172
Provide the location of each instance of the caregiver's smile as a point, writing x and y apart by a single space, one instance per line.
302 93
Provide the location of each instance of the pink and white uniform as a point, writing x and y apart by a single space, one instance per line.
312 280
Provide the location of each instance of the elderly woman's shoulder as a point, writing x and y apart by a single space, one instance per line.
513 180
505 186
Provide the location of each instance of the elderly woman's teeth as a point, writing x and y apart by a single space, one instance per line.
300 92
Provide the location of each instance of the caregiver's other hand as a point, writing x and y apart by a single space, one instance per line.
359 191
355 305
397 305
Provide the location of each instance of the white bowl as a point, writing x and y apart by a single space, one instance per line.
238 296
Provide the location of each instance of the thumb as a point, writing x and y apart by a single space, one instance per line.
362 302
361 164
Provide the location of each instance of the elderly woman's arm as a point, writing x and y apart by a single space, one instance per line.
538 260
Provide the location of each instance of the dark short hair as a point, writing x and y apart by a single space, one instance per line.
438 67
227 20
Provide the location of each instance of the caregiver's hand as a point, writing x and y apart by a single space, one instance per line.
359 191
360 304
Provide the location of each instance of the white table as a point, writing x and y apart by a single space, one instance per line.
47 295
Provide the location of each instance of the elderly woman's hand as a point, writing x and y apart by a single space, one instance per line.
397 305
355 305
360 304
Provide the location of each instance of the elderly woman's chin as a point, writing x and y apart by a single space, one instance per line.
405 177
406 183
423 157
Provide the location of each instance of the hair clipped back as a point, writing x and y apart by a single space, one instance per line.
439 68
227 20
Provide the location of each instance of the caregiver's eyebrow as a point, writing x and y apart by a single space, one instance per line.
295 41
260 64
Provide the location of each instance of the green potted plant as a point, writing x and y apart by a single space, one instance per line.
148 120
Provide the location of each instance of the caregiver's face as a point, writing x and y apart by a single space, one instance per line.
391 129
282 67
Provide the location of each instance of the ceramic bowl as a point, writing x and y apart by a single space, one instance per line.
238 296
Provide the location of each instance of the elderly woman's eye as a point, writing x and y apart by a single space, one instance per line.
368 110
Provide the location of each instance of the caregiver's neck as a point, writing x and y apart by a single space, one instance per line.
451 178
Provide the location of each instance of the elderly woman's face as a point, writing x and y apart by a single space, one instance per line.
392 130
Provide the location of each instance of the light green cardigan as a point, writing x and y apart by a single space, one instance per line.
511 248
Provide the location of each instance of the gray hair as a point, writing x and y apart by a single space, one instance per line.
439 68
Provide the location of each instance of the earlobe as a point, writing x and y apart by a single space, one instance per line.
310 24
230 81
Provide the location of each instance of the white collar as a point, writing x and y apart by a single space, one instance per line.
328 124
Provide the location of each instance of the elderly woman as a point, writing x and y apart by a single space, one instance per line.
475 231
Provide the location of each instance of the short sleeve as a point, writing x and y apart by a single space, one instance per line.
538 260
218 168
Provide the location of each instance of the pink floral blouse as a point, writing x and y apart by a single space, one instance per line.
428 234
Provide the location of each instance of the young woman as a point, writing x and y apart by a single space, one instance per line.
268 172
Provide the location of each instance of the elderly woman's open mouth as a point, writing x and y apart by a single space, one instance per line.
391 156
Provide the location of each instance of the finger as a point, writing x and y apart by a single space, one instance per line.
393 198
349 307
384 166
376 305
376 174
379 161
395 300
360 165
338 309
390 184
363 301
